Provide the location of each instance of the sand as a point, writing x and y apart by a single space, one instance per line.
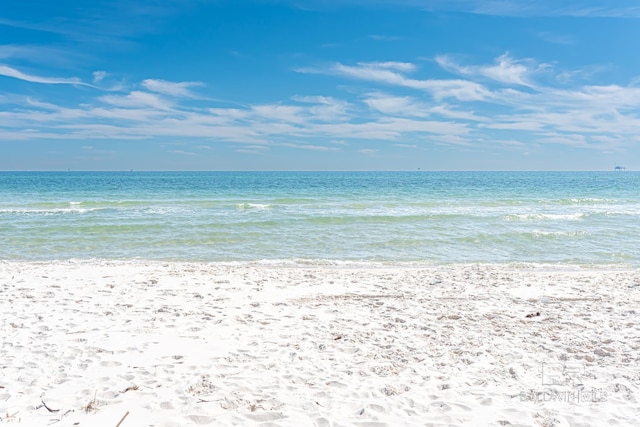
97 343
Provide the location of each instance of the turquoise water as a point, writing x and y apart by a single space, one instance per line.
439 217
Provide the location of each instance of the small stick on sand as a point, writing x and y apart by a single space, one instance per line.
122 419
47 408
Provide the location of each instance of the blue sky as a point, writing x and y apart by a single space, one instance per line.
319 84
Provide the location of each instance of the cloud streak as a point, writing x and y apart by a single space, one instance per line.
394 74
180 89
16 74
505 70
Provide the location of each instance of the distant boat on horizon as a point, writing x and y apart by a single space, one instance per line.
619 168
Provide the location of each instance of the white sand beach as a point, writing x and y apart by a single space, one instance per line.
98 343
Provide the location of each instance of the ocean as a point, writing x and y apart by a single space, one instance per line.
585 218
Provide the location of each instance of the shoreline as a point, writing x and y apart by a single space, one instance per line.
186 343
329 263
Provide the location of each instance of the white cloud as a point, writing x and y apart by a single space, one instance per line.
16 74
177 89
462 90
253 149
570 139
137 99
396 105
229 114
405 67
392 73
610 96
98 76
285 113
43 105
314 99
505 70
309 147
508 123
508 71
371 72
457 114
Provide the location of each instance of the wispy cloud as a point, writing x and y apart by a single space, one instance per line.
280 113
16 74
505 69
177 89
137 99
397 105
394 74
310 147
98 76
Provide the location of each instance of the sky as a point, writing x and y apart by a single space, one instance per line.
319 85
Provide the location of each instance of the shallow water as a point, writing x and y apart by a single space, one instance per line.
439 217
